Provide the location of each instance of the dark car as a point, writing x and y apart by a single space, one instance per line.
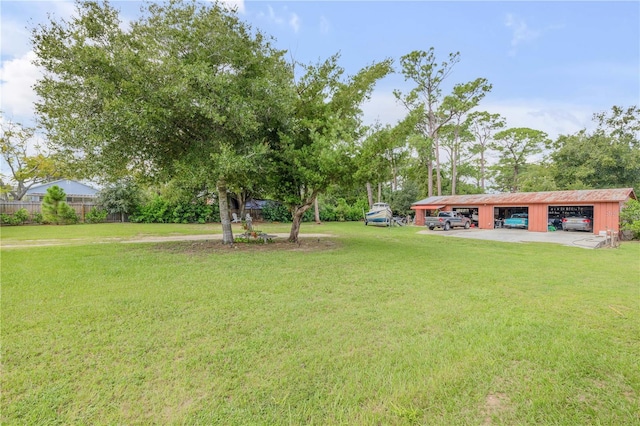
577 223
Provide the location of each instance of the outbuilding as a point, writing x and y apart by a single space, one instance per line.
602 205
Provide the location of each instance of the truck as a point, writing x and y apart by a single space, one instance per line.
448 220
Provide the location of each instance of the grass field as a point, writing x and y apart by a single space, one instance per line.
369 326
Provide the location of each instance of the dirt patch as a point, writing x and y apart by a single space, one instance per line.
278 238
494 404
207 247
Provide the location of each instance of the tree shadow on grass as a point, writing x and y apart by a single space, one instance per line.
206 247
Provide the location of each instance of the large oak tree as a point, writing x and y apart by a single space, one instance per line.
187 86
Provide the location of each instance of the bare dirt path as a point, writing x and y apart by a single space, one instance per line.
137 239
159 239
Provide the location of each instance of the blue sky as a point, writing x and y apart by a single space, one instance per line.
552 64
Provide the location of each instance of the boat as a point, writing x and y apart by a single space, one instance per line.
380 214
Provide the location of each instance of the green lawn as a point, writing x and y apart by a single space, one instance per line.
370 326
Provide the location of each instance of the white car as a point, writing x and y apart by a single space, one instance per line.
577 223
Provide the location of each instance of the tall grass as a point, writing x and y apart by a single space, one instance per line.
374 326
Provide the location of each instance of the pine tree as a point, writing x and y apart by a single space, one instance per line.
55 209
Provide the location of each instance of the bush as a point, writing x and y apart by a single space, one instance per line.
341 211
630 218
159 210
96 215
68 215
275 212
7 219
18 218
37 217
121 198
155 211
21 216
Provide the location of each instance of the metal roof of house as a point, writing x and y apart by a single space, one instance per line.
255 204
550 197
70 187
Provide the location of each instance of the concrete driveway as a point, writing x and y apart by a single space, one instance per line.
573 239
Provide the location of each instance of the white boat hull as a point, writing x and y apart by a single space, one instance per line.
380 215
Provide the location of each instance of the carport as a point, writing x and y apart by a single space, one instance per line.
605 205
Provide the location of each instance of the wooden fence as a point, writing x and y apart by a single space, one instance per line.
81 209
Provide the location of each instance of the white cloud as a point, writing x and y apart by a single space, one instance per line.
382 108
294 22
325 26
552 117
18 76
521 33
273 17
281 18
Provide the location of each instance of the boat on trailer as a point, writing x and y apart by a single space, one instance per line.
380 214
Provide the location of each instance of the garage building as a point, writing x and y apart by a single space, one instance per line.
487 210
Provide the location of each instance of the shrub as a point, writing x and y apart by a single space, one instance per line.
159 210
275 212
7 219
121 198
630 218
37 217
68 215
328 213
96 215
340 210
21 216
155 211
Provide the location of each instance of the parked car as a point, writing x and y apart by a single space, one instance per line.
448 220
577 223
517 220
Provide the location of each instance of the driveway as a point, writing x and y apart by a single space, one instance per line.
572 239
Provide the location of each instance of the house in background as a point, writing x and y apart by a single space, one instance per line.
76 192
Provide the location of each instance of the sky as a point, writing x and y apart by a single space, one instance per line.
552 64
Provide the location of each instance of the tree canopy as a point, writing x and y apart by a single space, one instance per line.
27 163
607 157
316 148
186 83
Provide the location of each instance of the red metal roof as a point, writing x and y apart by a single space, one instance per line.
586 196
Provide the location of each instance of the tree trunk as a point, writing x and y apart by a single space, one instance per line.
482 170
430 178
316 211
242 202
437 155
223 203
454 165
19 192
369 194
379 192
297 214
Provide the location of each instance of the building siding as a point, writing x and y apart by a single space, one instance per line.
606 204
